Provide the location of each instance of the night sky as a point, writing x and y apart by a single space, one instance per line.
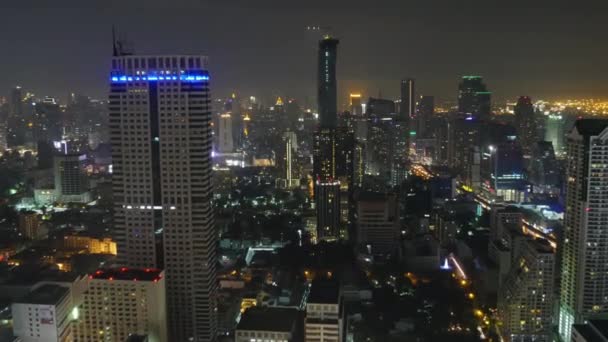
262 48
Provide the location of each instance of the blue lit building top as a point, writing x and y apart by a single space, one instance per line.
138 78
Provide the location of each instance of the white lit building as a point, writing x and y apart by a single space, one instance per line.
44 315
584 264
291 148
122 302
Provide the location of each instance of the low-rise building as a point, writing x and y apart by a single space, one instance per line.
121 302
323 322
44 315
266 324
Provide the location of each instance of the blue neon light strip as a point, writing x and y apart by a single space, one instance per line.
185 77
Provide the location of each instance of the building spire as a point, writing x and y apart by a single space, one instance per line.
120 46
114 47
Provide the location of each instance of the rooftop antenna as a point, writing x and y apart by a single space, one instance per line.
120 46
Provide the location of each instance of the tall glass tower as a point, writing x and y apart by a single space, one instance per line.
160 128
327 92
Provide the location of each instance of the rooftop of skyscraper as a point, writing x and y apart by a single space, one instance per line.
269 319
325 291
125 273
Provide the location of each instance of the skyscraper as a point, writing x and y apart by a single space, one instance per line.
424 116
474 97
525 299
327 201
333 164
16 103
327 83
16 125
71 182
584 263
555 132
408 100
292 177
356 106
226 143
463 147
378 223
160 129
525 122
544 168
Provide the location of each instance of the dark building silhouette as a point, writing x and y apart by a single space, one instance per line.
426 108
545 172
408 100
474 97
525 123
380 107
327 83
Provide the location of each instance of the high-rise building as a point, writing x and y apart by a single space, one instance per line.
440 131
502 171
333 162
226 143
16 122
405 125
474 97
160 128
327 82
122 302
327 203
463 148
407 109
3 135
30 226
525 122
292 177
47 122
545 172
71 182
424 116
323 151
525 299
584 263
555 132
16 103
378 223
356 106
382 144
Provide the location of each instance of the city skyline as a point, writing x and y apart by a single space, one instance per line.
247 172
448 40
